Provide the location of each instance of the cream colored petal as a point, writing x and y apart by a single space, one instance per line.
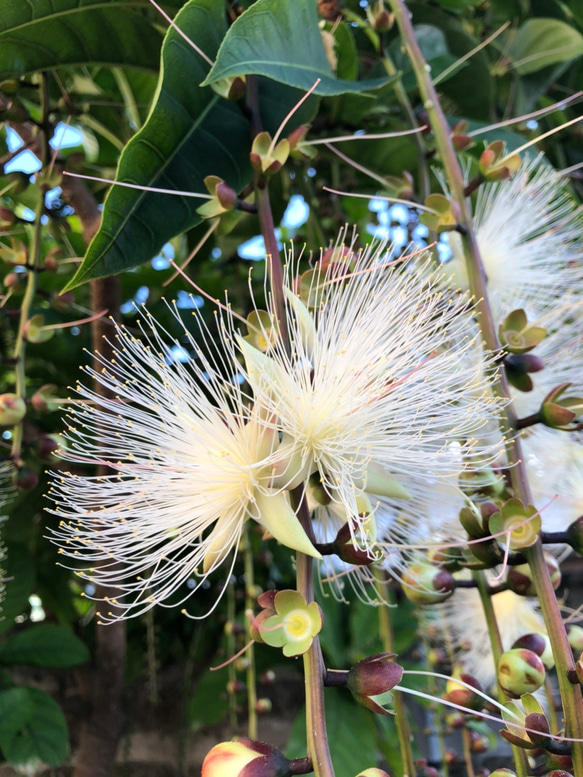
382 483
277 516
306 325
220 542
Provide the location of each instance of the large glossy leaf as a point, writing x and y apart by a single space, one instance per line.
543 42
190 133
53 33
282 41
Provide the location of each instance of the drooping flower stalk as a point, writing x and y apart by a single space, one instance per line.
570 694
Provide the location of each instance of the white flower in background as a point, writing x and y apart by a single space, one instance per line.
190 463
529 231
378 384
554 465
462 622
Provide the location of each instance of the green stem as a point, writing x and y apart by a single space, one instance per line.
231 650
32 274
401 719
570 694
314 671
251 677
467 740
519 754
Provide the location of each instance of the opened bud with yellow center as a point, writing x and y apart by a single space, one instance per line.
518 524
520 671
371 680
266 157
462 695
495 165
562 412
35 331
288 621
519 578
443 214
517 335
245 758
427 584
12 409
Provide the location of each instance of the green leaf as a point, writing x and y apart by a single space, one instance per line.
351 734
55 33
282 41
45 645
543 42
32 727
190 133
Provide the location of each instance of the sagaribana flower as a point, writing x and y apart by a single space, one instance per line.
529 232
376 387
375 390
191 461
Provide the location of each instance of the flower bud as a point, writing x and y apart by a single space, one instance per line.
517 368
43 400
479 744
455 720
495 165
575 637
373 772
223 198
378 17
371 680
538 722
14 282
539 644
347 550
579 668
48 445
426 584
559 773
520 671
459 694
7 218
266 159
12 409
503 773
267 677
263 705
520 580
299 149
245 758
561 412
25 478
230 88
35 332
575 535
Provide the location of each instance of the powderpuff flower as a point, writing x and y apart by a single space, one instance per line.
462 621
379 381
529 232
190 462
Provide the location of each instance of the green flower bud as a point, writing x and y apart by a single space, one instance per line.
495 164
539 644
561 412
520 671
35 332
268 159
230 88
12 409
575 637
373 772
575 535
426 584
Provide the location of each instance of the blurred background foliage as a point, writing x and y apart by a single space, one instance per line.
112 108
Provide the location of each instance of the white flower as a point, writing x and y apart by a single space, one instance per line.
554 465
530 234
376 386
190 463
462 621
